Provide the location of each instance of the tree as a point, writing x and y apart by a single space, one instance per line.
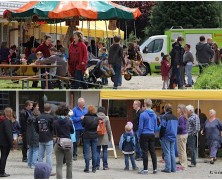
143 21
192 14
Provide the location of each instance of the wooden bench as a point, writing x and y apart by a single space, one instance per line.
26 79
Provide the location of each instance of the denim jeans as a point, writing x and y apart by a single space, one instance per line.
188 69
169 154
79 81
105 156
138 150
105 81
182 75
192 144
48 148
78 134
175 72
90 143
132 159
117 70
32 155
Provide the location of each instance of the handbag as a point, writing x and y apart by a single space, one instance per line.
64 143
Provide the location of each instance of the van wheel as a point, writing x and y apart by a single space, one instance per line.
148 70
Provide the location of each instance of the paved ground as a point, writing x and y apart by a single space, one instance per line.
142 82
19 170
137 82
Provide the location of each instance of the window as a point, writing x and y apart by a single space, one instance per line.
155 46
117 108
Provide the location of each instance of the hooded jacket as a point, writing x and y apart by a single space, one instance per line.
42 171
147 122
204 52
127 143
116 54
63 127
168 126
56 59
6 138
104 140
177 54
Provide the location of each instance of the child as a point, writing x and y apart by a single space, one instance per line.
39 55
105 67
131 126
127 146
133 59
15 131
165 68
32 56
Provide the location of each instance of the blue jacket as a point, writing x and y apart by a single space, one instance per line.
76 117
127 142
169 126
147 122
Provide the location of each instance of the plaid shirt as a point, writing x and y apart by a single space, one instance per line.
193 124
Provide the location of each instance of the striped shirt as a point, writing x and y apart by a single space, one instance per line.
193 124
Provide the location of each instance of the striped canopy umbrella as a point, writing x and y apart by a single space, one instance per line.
95 10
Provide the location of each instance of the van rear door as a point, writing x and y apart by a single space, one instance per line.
193 39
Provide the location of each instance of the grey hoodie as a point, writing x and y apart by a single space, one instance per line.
204 52
104 140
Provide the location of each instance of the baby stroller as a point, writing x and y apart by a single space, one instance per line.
94 72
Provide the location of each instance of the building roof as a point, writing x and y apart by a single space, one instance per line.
10 5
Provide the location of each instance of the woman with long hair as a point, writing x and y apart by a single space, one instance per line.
77 62
212 129
90 137
6 140
63 127
182 135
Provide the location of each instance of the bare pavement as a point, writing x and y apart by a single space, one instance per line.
19 170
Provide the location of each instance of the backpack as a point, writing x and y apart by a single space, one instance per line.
101 128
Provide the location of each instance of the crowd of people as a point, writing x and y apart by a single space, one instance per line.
62 130
182 60
73 61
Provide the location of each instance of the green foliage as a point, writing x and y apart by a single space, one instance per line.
210 79
188 14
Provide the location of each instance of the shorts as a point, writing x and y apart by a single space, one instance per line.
15 137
